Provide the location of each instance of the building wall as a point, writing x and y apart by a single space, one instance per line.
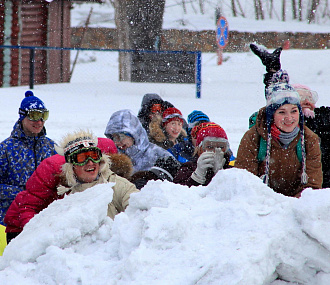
34 23
204 40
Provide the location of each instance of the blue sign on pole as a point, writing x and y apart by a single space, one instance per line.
222 32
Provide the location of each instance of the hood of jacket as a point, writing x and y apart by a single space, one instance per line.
261 125
143 153
126 121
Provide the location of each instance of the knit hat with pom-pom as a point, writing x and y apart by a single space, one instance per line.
30 102
209 129
277 94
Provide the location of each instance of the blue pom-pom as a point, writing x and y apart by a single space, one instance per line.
29 93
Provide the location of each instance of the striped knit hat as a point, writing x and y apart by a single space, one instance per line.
209 129
277 94
195 117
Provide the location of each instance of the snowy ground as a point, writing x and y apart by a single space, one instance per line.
235 231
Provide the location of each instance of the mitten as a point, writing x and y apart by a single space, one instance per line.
219 160
205 161
270 60
61 190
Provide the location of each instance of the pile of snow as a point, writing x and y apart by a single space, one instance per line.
234 231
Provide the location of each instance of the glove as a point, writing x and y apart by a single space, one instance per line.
219 160
270 60
205 161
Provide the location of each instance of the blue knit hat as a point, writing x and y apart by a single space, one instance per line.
194 117
30 102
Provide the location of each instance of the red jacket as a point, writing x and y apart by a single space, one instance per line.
41 189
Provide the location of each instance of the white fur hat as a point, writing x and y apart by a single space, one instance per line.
76 140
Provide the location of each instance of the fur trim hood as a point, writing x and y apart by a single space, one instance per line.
121 164
70 179
76 140
158 133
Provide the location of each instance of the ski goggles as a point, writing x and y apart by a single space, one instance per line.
210 144
280 97
156 108
308 95
36 115
81 156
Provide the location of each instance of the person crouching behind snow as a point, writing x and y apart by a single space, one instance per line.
212 153
125 129
85 166
292 160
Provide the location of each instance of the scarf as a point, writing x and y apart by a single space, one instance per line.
284 138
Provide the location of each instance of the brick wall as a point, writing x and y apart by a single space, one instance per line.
205 40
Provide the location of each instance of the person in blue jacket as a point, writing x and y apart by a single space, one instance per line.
22 152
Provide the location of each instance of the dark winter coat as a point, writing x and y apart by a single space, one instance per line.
19 157
183 176
320 125
147 102
284 167
141 178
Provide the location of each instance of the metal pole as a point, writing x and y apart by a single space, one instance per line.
32 51
198 74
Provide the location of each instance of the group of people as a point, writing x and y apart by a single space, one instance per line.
286 146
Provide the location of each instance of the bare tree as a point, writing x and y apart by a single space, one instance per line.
311 15
258 10
240 8
233 8
261 11
184 6
201 6
139 25
326 9
300 10
283 10
271 8
294 9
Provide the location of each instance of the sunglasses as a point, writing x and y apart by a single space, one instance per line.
81 156
37 115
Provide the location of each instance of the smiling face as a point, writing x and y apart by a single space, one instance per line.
173 129
122 141
32 128
88 172
286 117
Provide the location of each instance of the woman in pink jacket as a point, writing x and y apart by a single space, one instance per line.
52 180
